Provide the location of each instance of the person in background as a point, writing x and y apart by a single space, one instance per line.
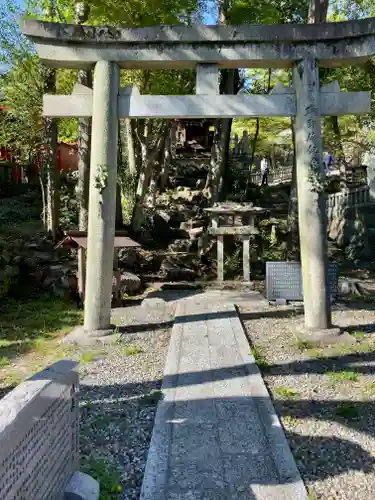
264 169
328 161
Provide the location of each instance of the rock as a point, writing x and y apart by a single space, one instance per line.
153 302
11 271
193 223
181 274
127 257
176 218
207 245
179 234
31 263
195 232
32 245
48 282
145 237
200 184
148 260
164 215
174 269
188 195
181 246
130 283
43 257
351 287
59 279
161 228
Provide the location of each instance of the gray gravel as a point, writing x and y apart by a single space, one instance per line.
325 398
119 393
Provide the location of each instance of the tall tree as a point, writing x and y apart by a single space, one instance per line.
84 150
217 177
317 14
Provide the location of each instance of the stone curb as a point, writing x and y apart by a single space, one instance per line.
273 430
156 471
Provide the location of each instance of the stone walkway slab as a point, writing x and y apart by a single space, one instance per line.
216 434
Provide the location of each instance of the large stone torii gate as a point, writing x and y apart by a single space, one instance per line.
208 49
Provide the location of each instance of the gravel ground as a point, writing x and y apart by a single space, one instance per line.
119 392
325 397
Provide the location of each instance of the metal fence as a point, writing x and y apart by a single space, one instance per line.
349 198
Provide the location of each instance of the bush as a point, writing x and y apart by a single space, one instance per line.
68 202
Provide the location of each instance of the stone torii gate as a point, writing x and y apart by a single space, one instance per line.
208 49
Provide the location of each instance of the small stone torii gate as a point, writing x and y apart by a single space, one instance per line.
208 49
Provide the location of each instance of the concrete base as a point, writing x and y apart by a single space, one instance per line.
326 337
80 336
229 285
82 487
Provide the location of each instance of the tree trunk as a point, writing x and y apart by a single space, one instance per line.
43 193
148 159
218 171
317 14
253 149
167 160
143 179
82 190
119 224
84 153
130 147
118 216
254 142
293 203
51 166
84 158
214 189
158 160
142 187
318 10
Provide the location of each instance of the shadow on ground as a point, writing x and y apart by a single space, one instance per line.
112 418
317 457
23 323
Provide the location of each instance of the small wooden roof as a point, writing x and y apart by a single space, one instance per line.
75 239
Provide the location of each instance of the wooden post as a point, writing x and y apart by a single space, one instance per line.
81 272
246 257
220 257
220 250
250 221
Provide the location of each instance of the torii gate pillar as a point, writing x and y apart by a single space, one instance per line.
102 199
311 202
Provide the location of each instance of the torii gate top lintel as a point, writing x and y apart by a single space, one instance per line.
179 46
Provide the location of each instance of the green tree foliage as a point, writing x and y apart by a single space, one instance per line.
22 125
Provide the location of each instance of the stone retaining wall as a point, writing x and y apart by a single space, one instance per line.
39 435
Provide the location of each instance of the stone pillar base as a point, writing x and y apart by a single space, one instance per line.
326 336
81 336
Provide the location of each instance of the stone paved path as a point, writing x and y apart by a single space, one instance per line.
216 435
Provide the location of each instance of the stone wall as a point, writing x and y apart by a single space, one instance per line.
39 435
